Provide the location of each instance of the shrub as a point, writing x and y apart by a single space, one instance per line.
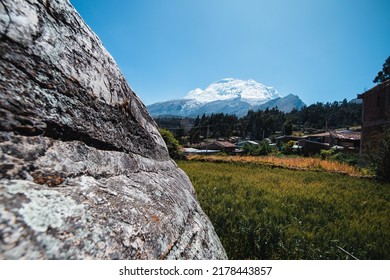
263 149
326 154
288 148
249 149
172 144
382 162
334 155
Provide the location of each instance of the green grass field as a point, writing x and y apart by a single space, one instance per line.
261 212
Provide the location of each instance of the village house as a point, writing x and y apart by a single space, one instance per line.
343 140
323 137
346 139
375 118
223 146
194 151
309 147
247 142
281 140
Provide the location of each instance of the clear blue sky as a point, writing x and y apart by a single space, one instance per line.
321 50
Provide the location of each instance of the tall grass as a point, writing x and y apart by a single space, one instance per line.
261 212
291 162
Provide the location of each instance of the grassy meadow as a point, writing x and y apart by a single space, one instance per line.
268 212
290 162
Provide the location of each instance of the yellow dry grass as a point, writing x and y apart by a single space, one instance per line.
298 163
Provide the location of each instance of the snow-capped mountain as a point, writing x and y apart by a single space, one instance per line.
229 96
249 91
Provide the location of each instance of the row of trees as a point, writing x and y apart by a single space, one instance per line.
328 115
262 124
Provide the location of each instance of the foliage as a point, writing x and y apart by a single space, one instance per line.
331 154
273 213
288 128
250 149
328 115
258 125
214 126
382 162
262 124
288 148
172 144
262 149
179 126
383 75
326 154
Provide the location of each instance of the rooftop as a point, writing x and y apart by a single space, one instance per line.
375 88
346 134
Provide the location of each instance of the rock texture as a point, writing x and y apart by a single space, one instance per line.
84 171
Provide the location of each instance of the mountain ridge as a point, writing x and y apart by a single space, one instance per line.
229 88
229 96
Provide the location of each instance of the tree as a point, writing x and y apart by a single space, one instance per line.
383 75
288 148
172 144
288 128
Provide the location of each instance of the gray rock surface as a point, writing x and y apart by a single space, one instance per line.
84 173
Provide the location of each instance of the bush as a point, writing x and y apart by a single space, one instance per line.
326 154
288 148
334 155
382 162
263 149
351 159
172 144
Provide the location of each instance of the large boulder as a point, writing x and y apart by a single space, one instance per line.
84 172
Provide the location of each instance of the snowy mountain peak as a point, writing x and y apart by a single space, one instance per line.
228 96
249 91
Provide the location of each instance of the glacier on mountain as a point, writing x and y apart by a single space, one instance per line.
228 96
249 91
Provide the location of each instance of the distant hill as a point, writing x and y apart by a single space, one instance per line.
285 104
229 96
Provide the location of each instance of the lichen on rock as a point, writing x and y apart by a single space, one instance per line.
45 209
84 172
